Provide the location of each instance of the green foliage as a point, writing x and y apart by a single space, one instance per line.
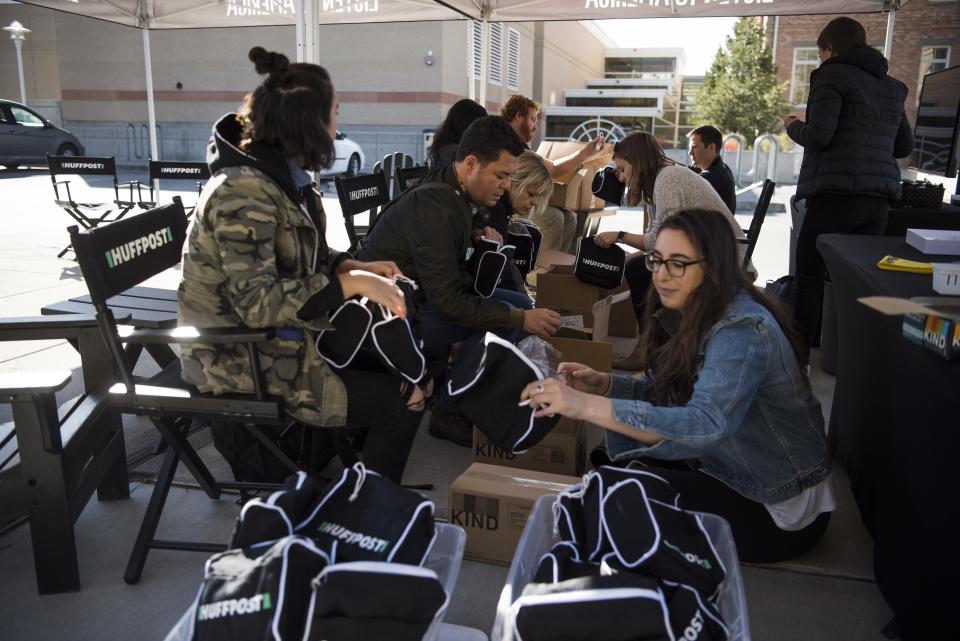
740 91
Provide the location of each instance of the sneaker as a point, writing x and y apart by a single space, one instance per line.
451 426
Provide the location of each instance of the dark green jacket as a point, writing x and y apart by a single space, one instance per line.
427 233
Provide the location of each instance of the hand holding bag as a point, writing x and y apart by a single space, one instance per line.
600 266
368 336
485 387
486 265
525 238
607 186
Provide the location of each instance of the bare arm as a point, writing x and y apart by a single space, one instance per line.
565 165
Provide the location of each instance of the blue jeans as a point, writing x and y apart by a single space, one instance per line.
437 332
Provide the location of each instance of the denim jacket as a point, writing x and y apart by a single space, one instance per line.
752 422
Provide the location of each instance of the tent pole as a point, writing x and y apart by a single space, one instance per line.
484 61
888 41
312 27
299 5
471 81
151 111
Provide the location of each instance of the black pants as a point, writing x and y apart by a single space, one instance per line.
378 421
828 214
639 278
758 538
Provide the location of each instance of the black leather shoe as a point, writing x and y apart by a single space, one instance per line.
451 426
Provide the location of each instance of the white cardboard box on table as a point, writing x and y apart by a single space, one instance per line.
935 241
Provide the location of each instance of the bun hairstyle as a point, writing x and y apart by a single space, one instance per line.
290 110
268 61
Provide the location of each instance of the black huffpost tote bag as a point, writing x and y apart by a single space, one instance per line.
525 238
691 617
487 264
618 607
600 266
258 598
363 516
367 336
371 600
485 387
607 186
262 522
563 563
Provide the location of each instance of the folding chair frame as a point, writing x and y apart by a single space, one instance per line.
359 194
174 170
759 213
89 166
408 177
167 401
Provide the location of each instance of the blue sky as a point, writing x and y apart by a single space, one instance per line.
699 36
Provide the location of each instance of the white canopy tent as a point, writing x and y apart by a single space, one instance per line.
307 15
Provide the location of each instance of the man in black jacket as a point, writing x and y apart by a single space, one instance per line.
706 142
428 233
855 130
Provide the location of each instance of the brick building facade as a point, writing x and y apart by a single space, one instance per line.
926 37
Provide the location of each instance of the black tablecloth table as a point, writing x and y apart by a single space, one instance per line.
899 220
895 424
145 307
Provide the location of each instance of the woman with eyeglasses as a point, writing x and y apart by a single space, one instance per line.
724 409
664 187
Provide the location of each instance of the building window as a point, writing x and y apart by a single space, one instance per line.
477 48
496 53
805 60
932 60
513 59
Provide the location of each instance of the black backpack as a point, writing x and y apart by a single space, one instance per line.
784 291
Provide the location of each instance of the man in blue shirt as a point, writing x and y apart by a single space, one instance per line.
705 145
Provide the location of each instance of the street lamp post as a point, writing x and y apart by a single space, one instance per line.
18 34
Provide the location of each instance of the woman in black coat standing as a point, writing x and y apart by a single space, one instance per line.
855 130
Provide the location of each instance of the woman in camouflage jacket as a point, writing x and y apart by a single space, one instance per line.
256 256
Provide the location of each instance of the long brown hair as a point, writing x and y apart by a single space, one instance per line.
674 359
646 156
290 110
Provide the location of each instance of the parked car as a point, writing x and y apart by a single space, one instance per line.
349 159
26 137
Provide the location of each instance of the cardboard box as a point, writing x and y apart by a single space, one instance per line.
562 451
933 323
492 503
566 295
935 241
574 189
598 356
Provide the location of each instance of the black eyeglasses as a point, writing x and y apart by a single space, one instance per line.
675 267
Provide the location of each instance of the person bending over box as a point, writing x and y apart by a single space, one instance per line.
428 233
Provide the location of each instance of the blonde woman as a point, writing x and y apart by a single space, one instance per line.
530 189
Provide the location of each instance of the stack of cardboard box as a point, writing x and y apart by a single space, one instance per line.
574 190
491 502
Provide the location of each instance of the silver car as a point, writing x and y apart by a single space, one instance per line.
26 137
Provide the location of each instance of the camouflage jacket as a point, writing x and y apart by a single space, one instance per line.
253 257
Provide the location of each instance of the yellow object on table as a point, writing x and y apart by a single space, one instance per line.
903 265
